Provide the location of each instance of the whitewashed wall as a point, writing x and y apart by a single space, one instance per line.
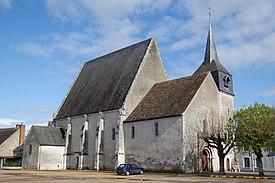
158 153
50 157
211 106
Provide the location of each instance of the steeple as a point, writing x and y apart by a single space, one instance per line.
210 51
211 59
211 64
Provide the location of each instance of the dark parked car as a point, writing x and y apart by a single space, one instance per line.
128 169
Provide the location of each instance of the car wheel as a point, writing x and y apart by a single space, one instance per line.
141 172
127 173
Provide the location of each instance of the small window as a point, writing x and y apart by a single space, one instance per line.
156 128
246 162
30 149
113 134
133 132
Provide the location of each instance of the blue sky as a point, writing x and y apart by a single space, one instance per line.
44 43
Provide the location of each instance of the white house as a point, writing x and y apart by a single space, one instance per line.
11 139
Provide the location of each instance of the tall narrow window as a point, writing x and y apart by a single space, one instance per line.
30 149
113 134
246 162
133 132
156 128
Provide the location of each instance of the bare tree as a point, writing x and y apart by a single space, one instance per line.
220 135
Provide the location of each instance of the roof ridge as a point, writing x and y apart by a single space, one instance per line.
118 50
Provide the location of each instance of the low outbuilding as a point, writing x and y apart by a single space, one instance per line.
44 148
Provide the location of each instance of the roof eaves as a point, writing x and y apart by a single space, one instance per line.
168 116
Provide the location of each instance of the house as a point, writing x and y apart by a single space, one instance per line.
11 138
122 108
248 161
44 148
163 132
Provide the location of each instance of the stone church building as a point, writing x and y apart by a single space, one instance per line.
122 108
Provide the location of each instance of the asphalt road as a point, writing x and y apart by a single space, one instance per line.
23 176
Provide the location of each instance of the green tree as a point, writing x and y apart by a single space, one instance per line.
255 130
222 138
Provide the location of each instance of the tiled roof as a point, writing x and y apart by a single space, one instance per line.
5 133
166 99
49 135
103 83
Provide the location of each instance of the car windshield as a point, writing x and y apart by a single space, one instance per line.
121 166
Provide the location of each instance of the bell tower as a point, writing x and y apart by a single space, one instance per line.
222 77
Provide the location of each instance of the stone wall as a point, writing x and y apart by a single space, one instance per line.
162 152
7 147
209 109
107 147
150 72
30 152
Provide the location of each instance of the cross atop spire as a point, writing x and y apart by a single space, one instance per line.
209 16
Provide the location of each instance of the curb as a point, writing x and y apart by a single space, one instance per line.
239 177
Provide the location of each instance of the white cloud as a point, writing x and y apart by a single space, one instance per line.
6 4
269 93
7 123
244 32
34 49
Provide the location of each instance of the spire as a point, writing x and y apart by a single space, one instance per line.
210 50
211 60
221 76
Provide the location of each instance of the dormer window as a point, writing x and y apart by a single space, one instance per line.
226 80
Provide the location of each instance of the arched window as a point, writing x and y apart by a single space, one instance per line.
133 132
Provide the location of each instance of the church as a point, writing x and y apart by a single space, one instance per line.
122 108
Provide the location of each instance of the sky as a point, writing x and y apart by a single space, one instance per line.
44 43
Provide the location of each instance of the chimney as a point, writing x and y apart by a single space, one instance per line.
21 133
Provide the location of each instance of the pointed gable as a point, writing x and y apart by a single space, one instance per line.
5 133
103 83
169 98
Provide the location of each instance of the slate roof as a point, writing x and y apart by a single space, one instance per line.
211 59
5 133
49 135
167 99
103 83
